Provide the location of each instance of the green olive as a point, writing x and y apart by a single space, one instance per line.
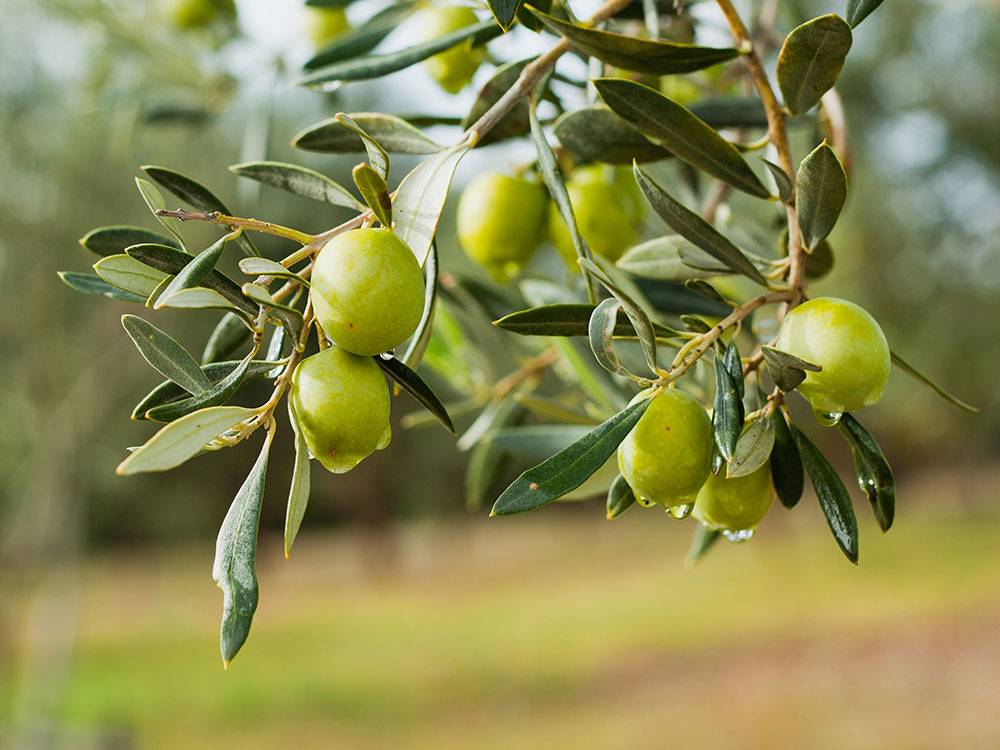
453 68
667 456
607 206
326 24
367 291
341 402
735 505
195 14
501 220
843 339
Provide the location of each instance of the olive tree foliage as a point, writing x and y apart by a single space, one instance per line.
694 304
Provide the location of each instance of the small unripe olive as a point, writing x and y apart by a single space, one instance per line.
342 405
194 14
501 220
453 68
667 456
367 291
843 339
607 206
325 24
737 504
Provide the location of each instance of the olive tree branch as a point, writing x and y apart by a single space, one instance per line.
237 222
778 131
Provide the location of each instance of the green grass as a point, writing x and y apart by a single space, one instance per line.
547 631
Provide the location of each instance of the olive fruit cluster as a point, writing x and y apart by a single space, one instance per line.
453 68
367 293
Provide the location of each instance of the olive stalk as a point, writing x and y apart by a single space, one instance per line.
237 222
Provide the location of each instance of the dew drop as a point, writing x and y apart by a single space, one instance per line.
742 535
828 418
680 511
387 355
645 502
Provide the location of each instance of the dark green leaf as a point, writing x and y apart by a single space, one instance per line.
787 370
171 261
620 497
235 566
378 159
165 355
731 112
858 10
753 449
515 122
329 78
169 392
698 286
727 414
695 229
298 491
196 196
95 285
873 471
820 193
911 370
640 320
373 189
504 11
393 134
810 61
298 180
782 180
677 129
416 387
633 53
786 465
114 240
601 330
422 336
217 395
702 541
194 272
420 199
833 496
734 366
362 38
568 469
178 441
567 319
228 336
676 299
596 134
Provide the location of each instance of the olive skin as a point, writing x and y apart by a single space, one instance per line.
736 504
667 456
847 342
341 402
367 291
501 221
453 68
325 25
196 14
607 206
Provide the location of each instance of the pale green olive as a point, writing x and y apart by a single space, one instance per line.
367 291
194 14
736 504
341 402
847 342
501 220
454 67
607 206
667 456
325 24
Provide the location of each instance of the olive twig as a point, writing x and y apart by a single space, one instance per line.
237 222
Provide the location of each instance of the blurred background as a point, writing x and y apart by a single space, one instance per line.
402 620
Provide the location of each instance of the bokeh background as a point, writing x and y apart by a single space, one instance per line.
401 620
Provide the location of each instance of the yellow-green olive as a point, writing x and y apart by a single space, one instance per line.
735 505
194 14
453 68
341 402
325 24
367 291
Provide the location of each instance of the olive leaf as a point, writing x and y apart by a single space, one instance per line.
833 496
194 272
182 439
129 274
596 134
601 332
267 267
298 180
782 180
634 53
373 189
420 198
677 129
670 258
695 229
230 334
362 38
219 393
786 370
95 285
676 299
504 11
620 497
196 196
235 566
727 413
859 10
752 449
571 467
394 134
912 371
166 355
820 194
114 239
422 336
299 489
330 77
787 473
377 156
196 298
702 541
568 319
872 470
155 202
810 61
416 387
